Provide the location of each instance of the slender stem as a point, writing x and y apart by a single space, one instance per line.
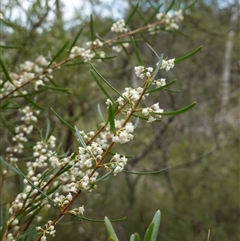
57 65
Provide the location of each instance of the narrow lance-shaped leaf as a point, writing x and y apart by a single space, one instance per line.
161 87
188 55
170 6
156 10
177 112
100 112
11 46
62 120
58 53
103 177
18 171
159 64
110 229
149 233
100 220
171 91
156 221
47 130
80 138
105 81
145 173
190 5
153 50
136 52
33 103
135 237
132 13
75 39
111 119
92 28
101 86
136 123
5 71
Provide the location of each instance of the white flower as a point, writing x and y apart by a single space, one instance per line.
1 16
117 48
159 82
119 26
167 64
81 210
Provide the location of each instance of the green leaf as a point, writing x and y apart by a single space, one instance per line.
188 55
172 91
11 46
80 138
92 29
110 229
47 130
105 81
101 86
136 123
156 10
135 237
170 6
33 103
75 39
152 231
58 53
149 233
103 177
159 64
100 112
60 89
99 220
161 87
190 5
145 173
136 52
180 111
4 218
153 50
18 171
111 119
156 221
62 120
132 13
5 71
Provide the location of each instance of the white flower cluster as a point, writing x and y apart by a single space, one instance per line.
167 64
152 111
62 200
119 26
142 71
86 54
42 152
21 133
171 19
118 48
96 42
49 230
159 82
77 211
130 95
28 71
124 135
118 163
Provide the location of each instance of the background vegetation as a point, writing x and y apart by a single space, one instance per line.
201 189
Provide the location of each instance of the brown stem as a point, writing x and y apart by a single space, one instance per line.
57 65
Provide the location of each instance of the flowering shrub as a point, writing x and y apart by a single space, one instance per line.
53 180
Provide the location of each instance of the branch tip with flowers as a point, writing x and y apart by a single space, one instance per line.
52 180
